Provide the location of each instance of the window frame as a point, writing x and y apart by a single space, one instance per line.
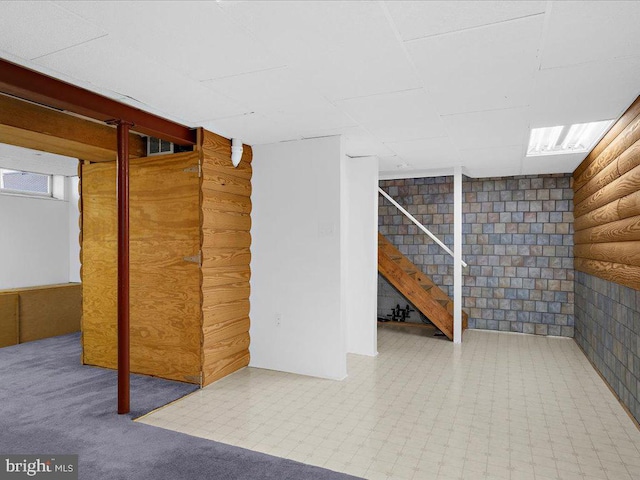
26 193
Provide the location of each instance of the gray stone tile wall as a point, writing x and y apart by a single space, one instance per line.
607 317
517 240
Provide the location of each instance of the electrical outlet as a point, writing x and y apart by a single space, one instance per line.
278 319
325 229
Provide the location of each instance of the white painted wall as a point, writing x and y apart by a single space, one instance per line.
73 196
297 313
360 227
34 241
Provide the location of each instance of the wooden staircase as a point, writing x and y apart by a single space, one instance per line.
417 287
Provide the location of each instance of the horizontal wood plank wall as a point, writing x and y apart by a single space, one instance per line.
165 273
226 255
607 204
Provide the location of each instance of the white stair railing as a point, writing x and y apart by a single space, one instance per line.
418 224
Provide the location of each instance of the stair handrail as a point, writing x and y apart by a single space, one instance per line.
418 224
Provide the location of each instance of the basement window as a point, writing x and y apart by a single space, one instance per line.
576 138
25 183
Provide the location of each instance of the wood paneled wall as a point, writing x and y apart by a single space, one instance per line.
165 277
33 313
226 241
9 314
190 254
607 204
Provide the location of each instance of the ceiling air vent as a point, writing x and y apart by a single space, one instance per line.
157 146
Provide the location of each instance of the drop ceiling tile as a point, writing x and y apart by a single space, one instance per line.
388 170
388 162
494 161
357 142
494 170
552 163
580 32
134 75
280 89
32 29
417 19
252 129
395 117
585 93
196 38
363 147
345 49
492 128
486 68
426 153
312 121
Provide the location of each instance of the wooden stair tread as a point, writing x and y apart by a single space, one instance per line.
416 287
424 283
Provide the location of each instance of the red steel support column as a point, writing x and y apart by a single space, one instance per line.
123 266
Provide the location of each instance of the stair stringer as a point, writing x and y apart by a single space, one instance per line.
417 287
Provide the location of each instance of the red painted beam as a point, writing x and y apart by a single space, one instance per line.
123 267
36 87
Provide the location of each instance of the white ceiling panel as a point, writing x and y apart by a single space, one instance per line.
345 49
585 93
389 171
423 84
580 32
494 128
396 117
18 158
357 141
388 162
552 164
280 89
418 19
252 129
310 121
426 153
489 162
132 74
192 37
32 29
80 82
486 68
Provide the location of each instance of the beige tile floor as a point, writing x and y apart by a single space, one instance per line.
499 406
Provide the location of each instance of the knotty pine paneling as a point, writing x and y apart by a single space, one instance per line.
625 207
607 204
627 117
226 257
618 188
624 163
627 137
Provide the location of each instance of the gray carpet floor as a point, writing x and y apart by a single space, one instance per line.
50 404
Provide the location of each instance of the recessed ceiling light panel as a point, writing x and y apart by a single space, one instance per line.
577 138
